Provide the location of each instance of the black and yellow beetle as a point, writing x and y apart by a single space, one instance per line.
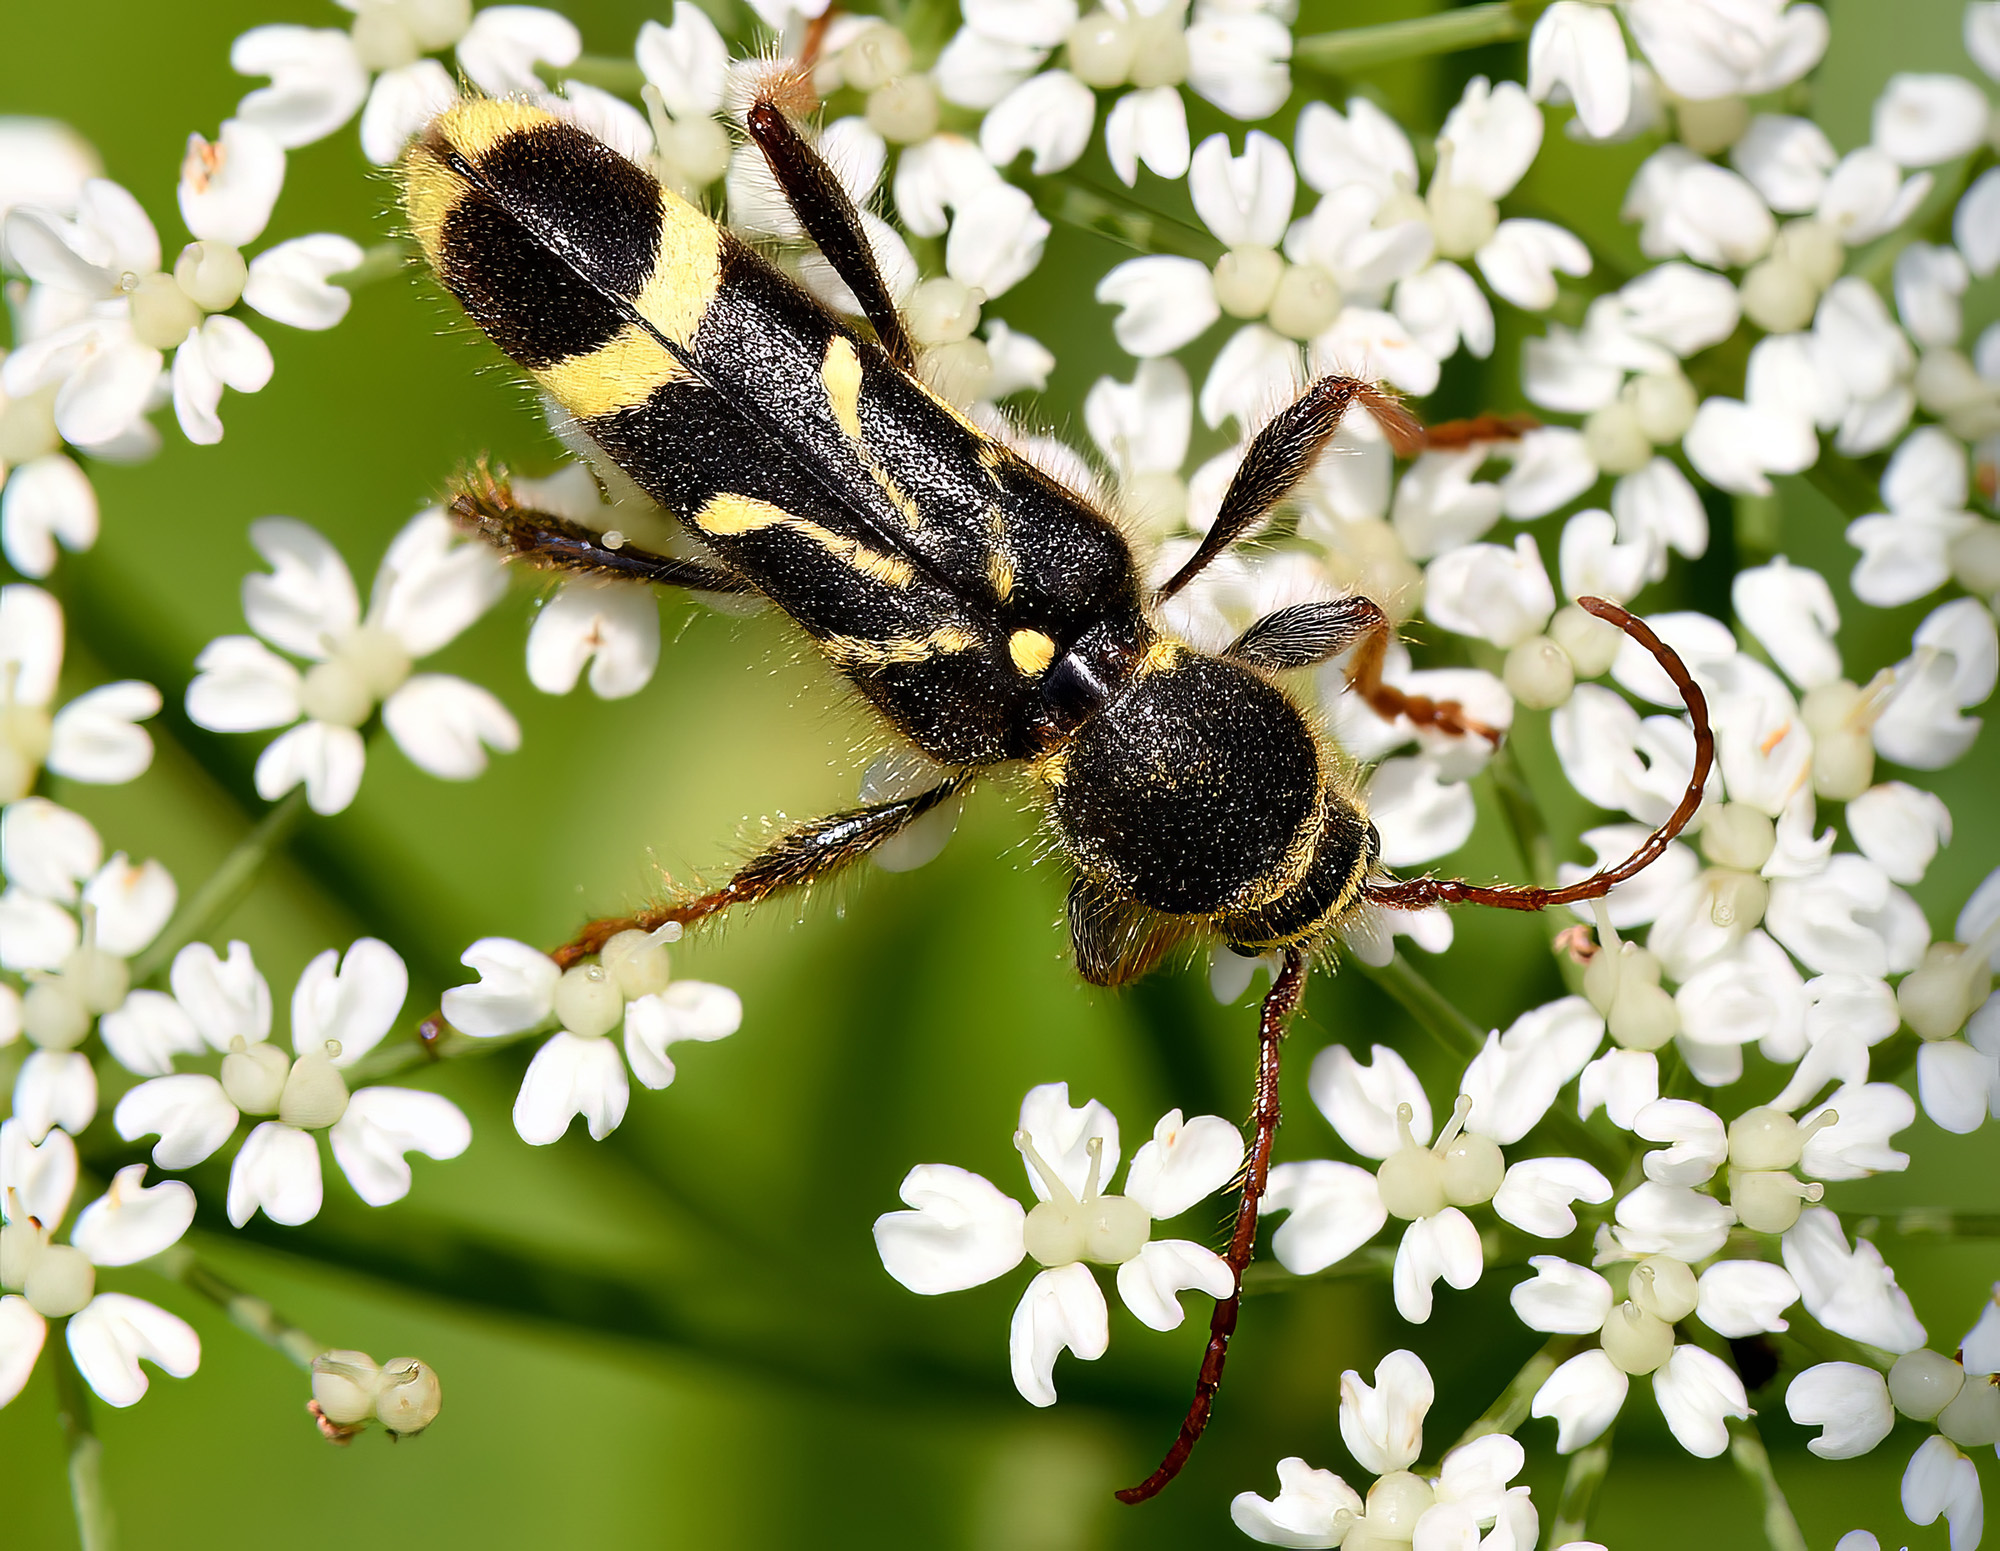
990 614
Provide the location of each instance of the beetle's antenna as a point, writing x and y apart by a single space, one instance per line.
1416 893
1279 1004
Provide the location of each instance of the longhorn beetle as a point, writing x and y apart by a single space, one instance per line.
991 615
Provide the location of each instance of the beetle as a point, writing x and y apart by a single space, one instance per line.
992 616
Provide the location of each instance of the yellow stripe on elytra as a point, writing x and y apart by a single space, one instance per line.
687 270
840 375
620 375
472 128
728 514
853 652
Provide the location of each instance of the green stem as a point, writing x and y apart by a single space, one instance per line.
1846 484
1511 1409
1523 814
86 1455
225 886
1443 32
1746 1448
1924 1222
245 1310
1423 1001
381 261
1123 221
393 1060
1587 1468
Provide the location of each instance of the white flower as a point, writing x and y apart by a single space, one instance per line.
1851 1404
320 77
1577 50
961 1231
578 1072
108 1332
1940 1480
1922 120
1380 1111
1905 552
341 1009
1382 1426
1727 48
429 588
94 738
1952 666
1851 1292
1690 206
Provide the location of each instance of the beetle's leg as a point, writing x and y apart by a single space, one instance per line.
832 222
1281 455
1364 674
802 856
484 505
1456 435
1416 893
1279 1004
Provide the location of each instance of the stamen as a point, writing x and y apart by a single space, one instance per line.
1095 1149
1460 1108
1058 1191
1819 1122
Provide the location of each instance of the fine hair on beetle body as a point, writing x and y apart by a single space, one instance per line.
992 617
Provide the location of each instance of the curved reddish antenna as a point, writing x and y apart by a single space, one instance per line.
1416 893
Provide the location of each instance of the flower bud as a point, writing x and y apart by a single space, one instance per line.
162 314
1160 51
904 111
60 1281
53 1016
1972 1419
588 1000
1813 248
1938 995
1663 1287
941 311
1614 440
1778 297
1463 219
1306 302
1100 50
1623 983
1769 1200
1395 1502
1538 674
1975 559
1590 643
21 1244
1665 403
879 55
1471 1169
1713 125
1637 1342
212 275
637 963
1246 281
1837 715
1411 1182
344 1384
253 1076
1736 899
1764 1138
315 1093
409 1397
1923 1383
1736 835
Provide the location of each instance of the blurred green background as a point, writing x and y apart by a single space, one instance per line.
681 1336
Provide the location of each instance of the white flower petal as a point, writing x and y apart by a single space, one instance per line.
1361 1101
445 725
687 1009
1849 1401
506 42
400 103
189 1113
1334 1208
1745 1297
47 850
1050 116
688 61
1382 1423
226 998
432 583
1672 1220
1851 1292
241 685
222 352
55 1088
22 1332
963 1232
1623 1081
47 499
1700 1141
1922 120
516 989
571 1076
133 1221
227 188
355 1006
36 1178
1151 1281
381 1125
115 1331
327 761
614 627
1578 49
1447 1246
1302 1515
1697 1392
1062 1136
147 1031
276 1171
1419 817
1185 1161
1561 1298
1164 302
1940 1480
1535 1195
94 738
1584 1396
1061 1308
307 602
317 81
1148 126
288 283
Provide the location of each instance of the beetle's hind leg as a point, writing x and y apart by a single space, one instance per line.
484 504
1279 1004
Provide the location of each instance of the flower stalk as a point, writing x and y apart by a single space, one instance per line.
1746 1449
1420 37
85 1457
225 887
